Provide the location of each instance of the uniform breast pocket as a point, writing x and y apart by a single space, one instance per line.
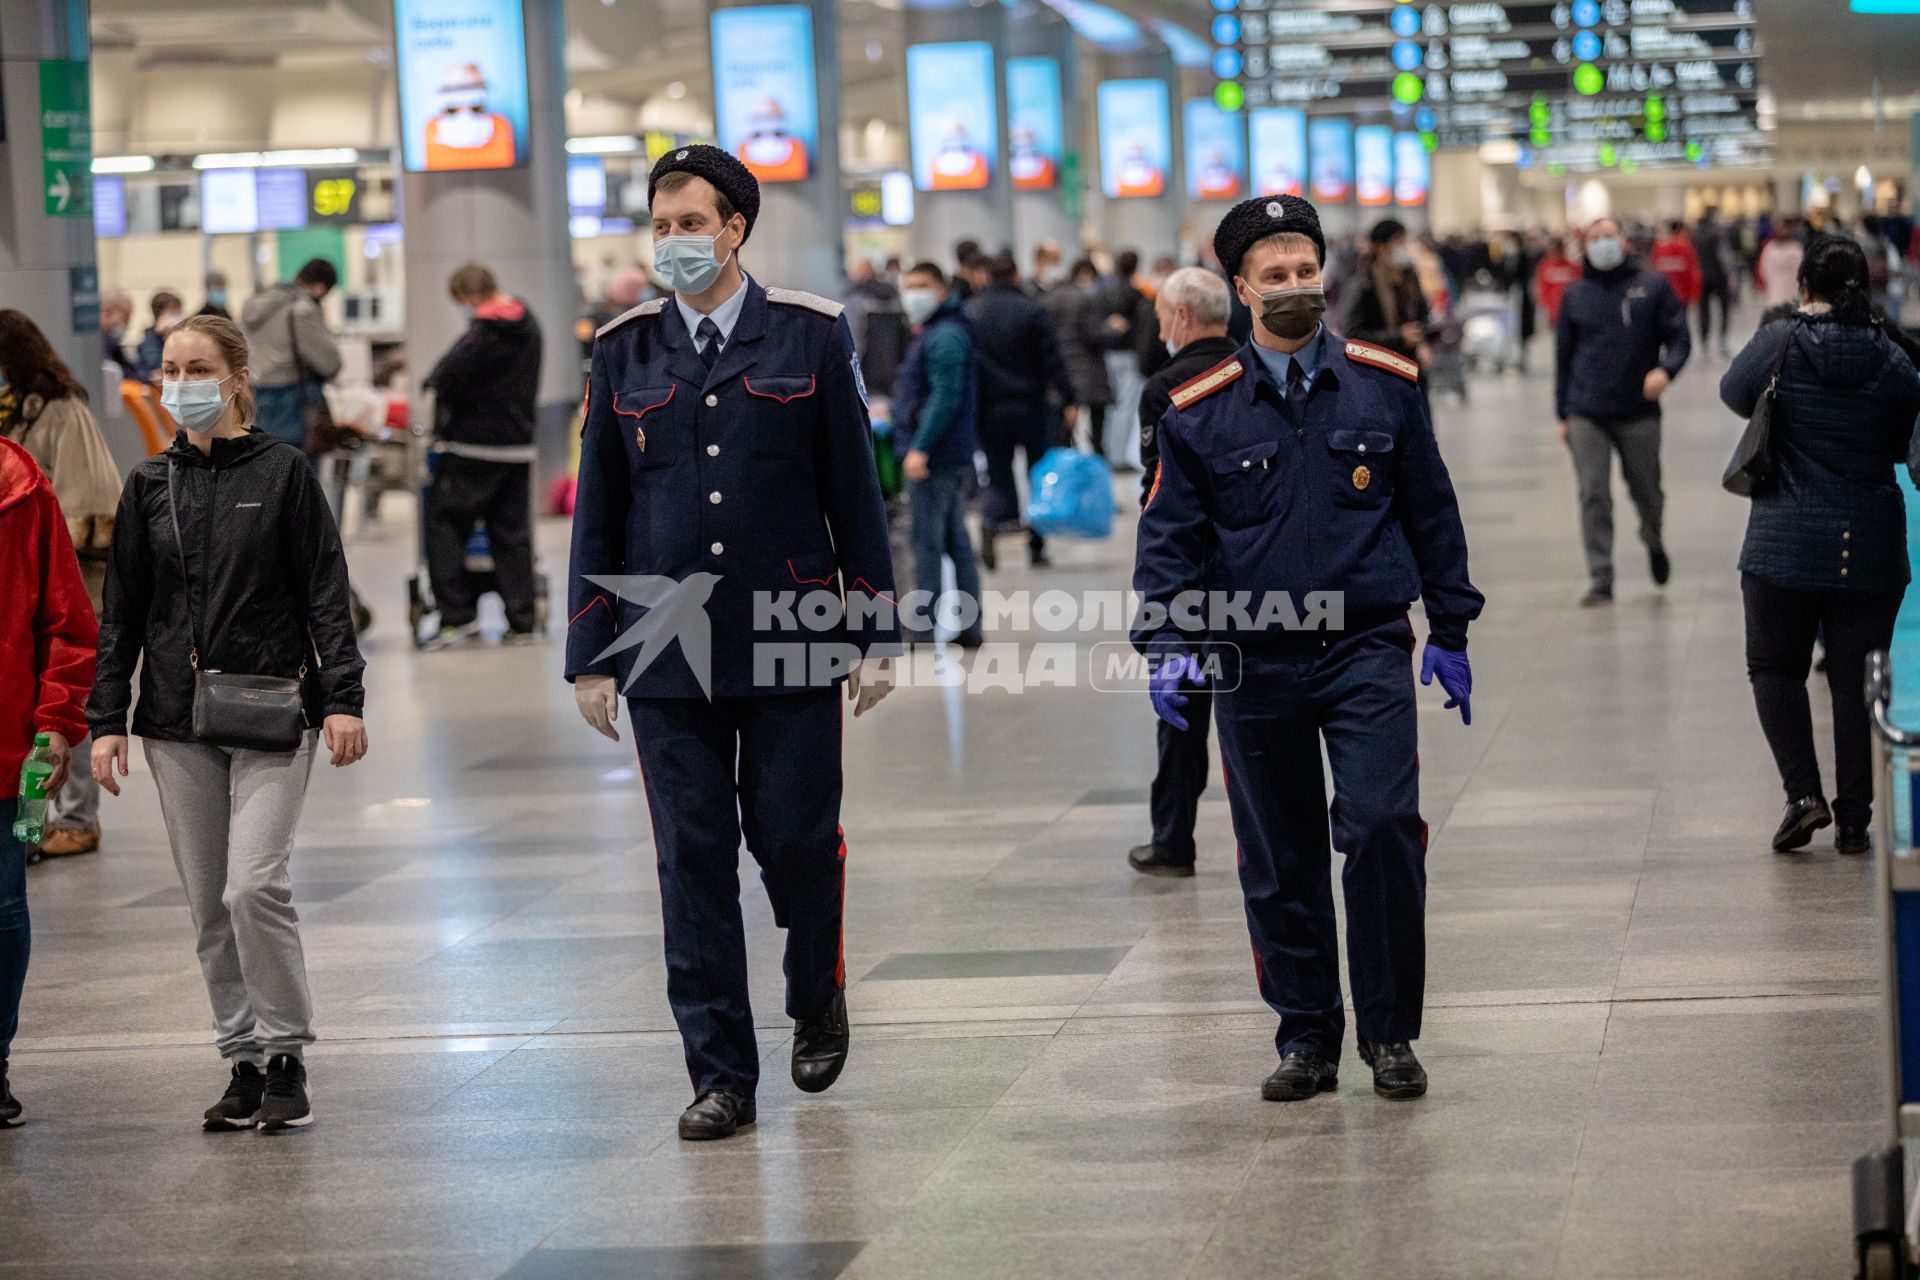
1362 466
645 416
1244 480
781 410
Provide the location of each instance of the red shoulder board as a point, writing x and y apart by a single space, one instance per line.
1381 358
1207 383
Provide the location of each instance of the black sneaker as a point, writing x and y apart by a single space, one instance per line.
1661 566
1597 597
12 1114
239 1106
285 1104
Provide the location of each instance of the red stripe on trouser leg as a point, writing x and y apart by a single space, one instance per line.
840 968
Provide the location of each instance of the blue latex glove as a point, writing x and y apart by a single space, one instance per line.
1456 677
1164 688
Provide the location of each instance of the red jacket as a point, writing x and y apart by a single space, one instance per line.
47 629
1551 278
1674 258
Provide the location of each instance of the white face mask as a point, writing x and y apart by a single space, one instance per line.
687 263
919 304
1605 252
195 405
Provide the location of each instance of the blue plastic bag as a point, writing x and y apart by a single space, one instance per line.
1072 495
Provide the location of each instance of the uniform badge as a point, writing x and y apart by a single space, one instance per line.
640 438
1362 477
859 380
681 156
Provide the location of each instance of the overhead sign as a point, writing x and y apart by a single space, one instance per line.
766 101
66 139
462 68
109 207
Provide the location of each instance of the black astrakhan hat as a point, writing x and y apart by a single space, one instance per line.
728 176
1251 221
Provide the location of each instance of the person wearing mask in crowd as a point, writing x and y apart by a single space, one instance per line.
167 312
1192 312
1715 254
294 356
1046 270
49 418
878 324
936 407
1384 305
116 313
1022 380
484 388
1559 267
225 558
218 299
1674 257
1080 326
48 631
1778 268
1306 463
1129 317
727 453
1620 339
1825 554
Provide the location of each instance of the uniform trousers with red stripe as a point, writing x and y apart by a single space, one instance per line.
766 769
1355 690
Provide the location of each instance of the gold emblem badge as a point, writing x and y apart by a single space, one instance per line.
1362 477
640 438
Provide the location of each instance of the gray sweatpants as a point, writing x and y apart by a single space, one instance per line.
78 804
230 817
1593 445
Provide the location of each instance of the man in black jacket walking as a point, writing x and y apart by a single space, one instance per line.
1021 377
1620 339
1192 308
485 388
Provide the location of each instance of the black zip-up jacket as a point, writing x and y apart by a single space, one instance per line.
264 572
1156 397
1614 328
486 386
1018 354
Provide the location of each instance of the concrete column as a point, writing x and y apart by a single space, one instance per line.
515 222
941 218
1151 226
797 241
45 261
1042 215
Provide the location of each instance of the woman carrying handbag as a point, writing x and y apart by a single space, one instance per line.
1832 397
227 586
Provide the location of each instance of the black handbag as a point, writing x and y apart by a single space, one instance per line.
1752 468
254 713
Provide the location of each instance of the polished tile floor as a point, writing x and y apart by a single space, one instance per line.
1652 1041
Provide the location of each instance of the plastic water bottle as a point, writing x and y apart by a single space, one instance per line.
30 822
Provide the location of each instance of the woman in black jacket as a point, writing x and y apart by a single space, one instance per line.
225 558
1826 547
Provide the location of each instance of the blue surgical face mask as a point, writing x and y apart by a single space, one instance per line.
687 263
194 405
1605 252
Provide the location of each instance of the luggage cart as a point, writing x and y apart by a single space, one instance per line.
1883 1210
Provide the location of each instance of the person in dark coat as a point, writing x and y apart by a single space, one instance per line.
936 407
1023 384
1192 312
1826 547
1080 325
1384 304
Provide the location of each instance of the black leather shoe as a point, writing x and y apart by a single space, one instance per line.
989 559
1149 861
1852 840
1300 1075
1803 817
1661 566
820 1047
1397 1073
715 1114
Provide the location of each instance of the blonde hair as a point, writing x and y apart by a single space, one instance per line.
232 345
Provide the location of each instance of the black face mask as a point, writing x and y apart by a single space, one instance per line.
1292 314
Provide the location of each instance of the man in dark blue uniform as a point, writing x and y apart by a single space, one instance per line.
726 469
1306 464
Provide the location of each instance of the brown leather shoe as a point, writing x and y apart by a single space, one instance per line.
65 842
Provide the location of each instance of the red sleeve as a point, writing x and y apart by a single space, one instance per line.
65 633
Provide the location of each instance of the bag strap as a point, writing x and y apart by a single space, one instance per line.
1780 361
186 583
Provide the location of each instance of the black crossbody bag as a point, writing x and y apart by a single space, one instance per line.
254 713
1752 466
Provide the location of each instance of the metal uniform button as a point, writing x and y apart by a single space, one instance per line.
712 401
1847 536
1363 448
713 451
1846 555
714 497
1246 462
717 548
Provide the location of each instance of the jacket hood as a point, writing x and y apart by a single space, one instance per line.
507 317
20 476
226 453
266 304
1842 355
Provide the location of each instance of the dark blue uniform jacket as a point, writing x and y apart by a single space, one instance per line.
759 473
1352 498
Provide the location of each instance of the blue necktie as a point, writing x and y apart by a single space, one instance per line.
1296 391
709 333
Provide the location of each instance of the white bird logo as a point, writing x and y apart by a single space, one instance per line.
675 611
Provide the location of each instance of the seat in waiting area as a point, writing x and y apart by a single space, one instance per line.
144 408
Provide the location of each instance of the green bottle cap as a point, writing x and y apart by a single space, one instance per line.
42 739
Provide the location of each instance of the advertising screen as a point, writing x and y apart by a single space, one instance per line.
1412 170
229 203
586 186
280 196
462 68
1136 138
1216 152
109 206
1279 151
1373 165
766 101
950 115
1034 128
1330 146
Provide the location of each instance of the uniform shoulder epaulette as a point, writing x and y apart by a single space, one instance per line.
1381 358
1196 389
811 301
651 307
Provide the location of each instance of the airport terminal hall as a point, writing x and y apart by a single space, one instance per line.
837 639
